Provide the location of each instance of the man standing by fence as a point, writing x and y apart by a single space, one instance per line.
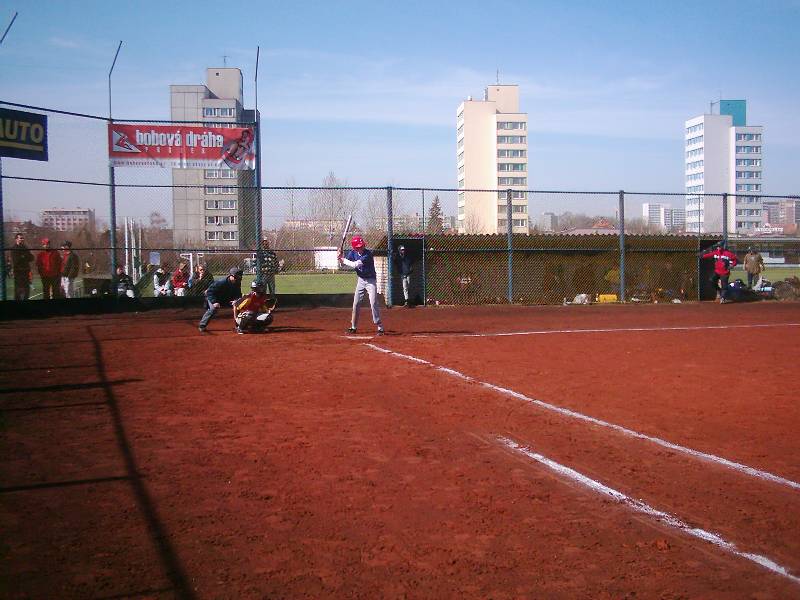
70 266
754 265
48 264
269 267
21 259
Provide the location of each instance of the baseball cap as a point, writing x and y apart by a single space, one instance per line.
402 248
45 240
235 272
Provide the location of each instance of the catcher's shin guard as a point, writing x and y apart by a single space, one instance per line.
252 322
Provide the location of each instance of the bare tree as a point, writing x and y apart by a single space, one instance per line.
473 223
329 206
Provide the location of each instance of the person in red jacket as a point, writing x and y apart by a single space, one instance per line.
724 261
180 279
48 264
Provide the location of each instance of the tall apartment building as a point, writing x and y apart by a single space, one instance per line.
68 219
492 154
663 217
217 213
723 155
781 211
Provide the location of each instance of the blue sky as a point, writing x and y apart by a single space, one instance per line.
369 90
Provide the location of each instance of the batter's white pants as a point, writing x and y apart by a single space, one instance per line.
370 287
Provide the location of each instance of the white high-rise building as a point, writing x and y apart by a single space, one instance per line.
663 217
492 154
215 212
723 155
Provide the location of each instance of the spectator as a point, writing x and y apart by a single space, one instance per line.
724 261
180 279
403 263
269 267
162 284
123 284
21 259
48 264
754 265
224 291
70 266
200 281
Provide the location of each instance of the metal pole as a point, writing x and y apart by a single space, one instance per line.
2 236
424 276
510 243
127 253
725 217
389 247
112 196
259 210
5 33
621 246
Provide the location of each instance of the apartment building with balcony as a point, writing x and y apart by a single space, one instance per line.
218 210
492 157
723 154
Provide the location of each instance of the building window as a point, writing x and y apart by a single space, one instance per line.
512 125
520 223
461 170
748 187
748 149
210 190
512 167
221 204
695 152
694 140
512 181
460 143
748 174
694 177
212 173
460 156
748 162
221 220
697 164
512 139
519 208
507 153
460 210
460 130
515 195
748 137
227 112
694 128
461 183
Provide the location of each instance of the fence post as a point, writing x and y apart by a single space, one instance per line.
259 216
112 229
424 276
621 246
725 217
2 240
510 235
389 247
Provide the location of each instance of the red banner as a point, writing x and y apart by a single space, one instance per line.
178 147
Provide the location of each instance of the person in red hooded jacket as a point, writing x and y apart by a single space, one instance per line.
724 261
48 264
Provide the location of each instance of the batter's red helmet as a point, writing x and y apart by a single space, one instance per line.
357 242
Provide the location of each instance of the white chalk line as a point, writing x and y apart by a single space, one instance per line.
724 462
646 509
608 330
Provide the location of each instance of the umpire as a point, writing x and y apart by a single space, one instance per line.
225 291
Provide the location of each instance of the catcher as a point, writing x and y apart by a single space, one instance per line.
251 312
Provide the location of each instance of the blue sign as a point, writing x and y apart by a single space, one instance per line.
23 135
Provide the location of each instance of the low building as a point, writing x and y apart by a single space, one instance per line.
68 219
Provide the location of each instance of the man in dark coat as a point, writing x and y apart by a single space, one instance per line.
224 291
70 266
21 259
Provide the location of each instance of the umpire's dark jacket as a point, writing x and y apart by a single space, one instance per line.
224 291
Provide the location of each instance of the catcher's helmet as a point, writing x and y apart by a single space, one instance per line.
256 286
357 242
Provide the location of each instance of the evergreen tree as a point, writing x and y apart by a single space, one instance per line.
435 217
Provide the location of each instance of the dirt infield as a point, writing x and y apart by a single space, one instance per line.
143 459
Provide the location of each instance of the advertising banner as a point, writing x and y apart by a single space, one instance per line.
180 147
23 135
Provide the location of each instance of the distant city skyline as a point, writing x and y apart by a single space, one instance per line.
367 92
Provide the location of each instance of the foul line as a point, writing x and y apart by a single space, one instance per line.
646 509
610 330
753 472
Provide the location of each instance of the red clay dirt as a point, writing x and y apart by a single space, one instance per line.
142 459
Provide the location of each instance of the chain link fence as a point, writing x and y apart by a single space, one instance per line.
565 246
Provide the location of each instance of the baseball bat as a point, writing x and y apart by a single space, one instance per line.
345 232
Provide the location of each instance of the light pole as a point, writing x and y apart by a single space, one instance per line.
3 294
112 230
